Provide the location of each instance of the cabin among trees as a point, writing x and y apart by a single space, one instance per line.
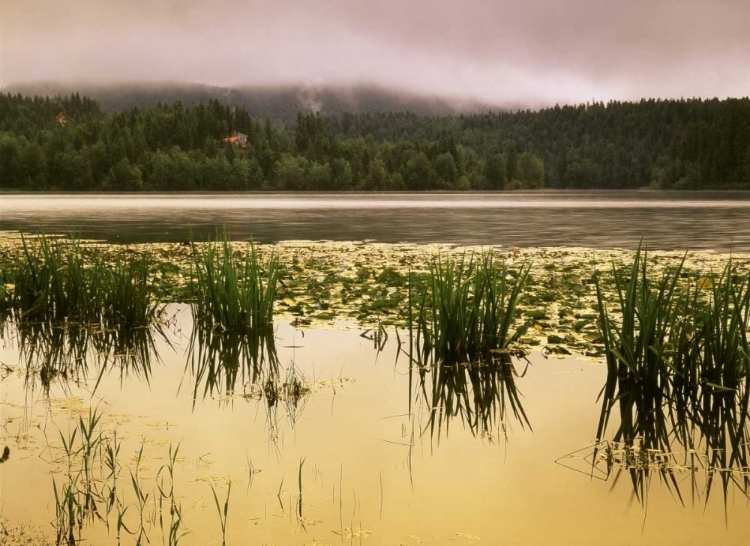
237 138
61 118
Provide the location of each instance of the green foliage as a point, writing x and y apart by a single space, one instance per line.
230 296
54 281
678 363
685 144
495 172
466 312
171 147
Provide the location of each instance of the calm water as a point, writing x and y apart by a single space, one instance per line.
327 440
717 221
388 457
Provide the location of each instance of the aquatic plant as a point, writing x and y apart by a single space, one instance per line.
55 281
223 514
637 348
91 491
124 292
677 358
50 281
467 310
167 493
232 296
80 499
6 295
462 337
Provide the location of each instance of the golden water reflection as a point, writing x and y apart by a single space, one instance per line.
329 452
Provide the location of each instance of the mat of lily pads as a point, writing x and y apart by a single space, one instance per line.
334 284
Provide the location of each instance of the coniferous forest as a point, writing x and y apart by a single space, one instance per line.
70 144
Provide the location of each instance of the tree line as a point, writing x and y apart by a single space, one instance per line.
666 144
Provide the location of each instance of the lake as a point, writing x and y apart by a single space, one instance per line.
365 453
329 434
718 221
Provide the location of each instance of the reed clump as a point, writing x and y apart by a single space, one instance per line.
233 295
466 311
462 339
55 281
678 364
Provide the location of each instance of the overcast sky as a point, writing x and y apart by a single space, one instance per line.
523 51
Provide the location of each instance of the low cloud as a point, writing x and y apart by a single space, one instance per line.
533 52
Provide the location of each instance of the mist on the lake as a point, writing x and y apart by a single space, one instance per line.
502 52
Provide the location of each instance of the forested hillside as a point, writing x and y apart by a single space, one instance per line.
693 144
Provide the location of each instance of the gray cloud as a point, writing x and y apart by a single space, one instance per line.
533 51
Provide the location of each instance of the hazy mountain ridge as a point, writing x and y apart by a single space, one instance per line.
276 102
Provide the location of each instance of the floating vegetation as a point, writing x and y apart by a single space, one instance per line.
678 365
231 296
368 283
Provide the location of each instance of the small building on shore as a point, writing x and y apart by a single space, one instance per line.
237 138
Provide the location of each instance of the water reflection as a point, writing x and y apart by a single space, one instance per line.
218 360
694 439
596 219
76 353
230 366
481 395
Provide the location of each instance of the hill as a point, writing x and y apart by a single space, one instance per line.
279 103
69 143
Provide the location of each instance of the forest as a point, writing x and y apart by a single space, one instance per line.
68 143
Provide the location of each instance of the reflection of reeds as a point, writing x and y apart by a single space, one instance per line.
678 366
479 394
72 353
218 360
461 340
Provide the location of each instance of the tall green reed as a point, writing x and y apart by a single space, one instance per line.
467 310
677 358
223 514
57 281
92 492
233 294
462 333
